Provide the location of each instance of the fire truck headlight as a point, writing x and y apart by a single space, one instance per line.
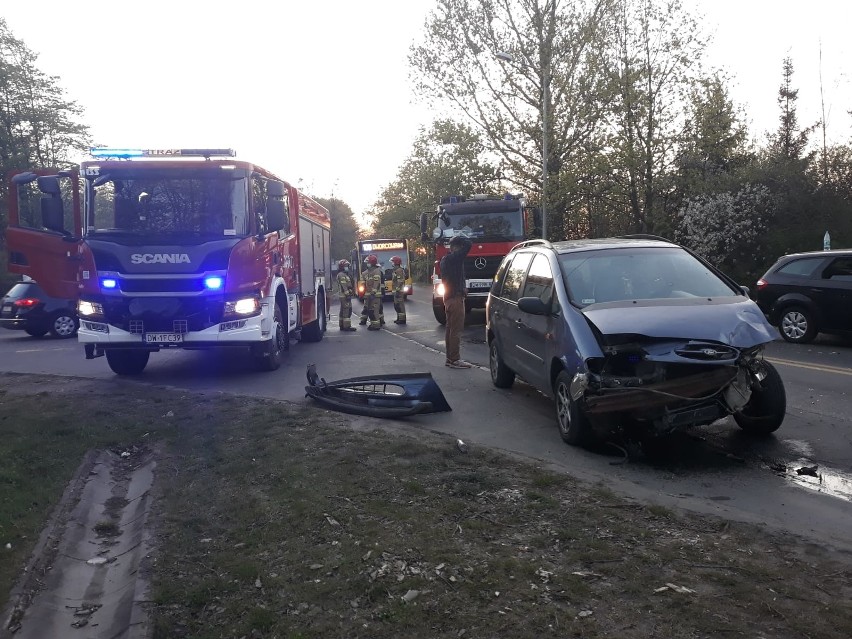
439 290
242 308
90 309
406 289
214 283
360 288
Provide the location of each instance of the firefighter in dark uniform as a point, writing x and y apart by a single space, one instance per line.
346 290
398 289
372 279
365 309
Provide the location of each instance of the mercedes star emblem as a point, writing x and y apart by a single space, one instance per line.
480 263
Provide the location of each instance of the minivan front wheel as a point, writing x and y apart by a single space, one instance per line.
573 425
767 406
797 325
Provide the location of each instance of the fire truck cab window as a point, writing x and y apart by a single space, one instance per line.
495 225
152 203
258 198
30 205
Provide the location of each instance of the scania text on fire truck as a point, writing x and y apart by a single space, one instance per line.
179 248
384 250
494 225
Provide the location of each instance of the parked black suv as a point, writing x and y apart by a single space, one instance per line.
808 293
28 308
632 336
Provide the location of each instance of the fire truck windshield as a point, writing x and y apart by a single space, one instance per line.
149 205
495 226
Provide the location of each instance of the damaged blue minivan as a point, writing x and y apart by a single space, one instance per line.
631 336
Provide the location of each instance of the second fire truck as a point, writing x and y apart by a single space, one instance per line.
494 225
181 248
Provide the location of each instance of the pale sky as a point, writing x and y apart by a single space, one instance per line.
317 91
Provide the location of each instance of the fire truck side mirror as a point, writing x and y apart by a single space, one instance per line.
277 217
424 227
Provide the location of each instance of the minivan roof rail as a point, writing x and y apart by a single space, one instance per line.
538 242
644 236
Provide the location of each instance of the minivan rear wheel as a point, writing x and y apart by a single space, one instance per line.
501 375
797 325
574 426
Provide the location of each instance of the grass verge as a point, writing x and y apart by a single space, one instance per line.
280 521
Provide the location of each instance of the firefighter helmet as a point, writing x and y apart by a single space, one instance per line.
342 264
372 260
397 260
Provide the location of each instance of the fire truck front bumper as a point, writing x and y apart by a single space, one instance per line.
241 332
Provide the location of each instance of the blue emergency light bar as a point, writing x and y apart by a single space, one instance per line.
106 152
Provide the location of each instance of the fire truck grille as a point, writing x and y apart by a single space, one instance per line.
481 268
164 314
170 285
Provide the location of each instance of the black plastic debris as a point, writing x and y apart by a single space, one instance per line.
400 395
808 470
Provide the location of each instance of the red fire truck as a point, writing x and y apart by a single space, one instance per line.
179 248
494 225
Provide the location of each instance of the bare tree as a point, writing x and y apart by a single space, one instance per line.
654 61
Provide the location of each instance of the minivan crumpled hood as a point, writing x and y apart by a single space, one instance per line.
734 321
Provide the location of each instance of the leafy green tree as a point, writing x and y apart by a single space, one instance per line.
785 167
715 149
790 142
832 197
553 77
446 159
727 229
39 126
344 227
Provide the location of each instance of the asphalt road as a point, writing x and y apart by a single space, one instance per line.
715 469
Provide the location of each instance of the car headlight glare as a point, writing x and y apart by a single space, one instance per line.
242 308
90 309
440 290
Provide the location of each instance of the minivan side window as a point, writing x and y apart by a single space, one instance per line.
802 268
515 276
539 280
839 269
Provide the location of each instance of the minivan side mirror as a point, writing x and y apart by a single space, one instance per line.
745 291
533 306
424 227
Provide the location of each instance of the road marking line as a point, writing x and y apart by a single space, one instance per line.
813 367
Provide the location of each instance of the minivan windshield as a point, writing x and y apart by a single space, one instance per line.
635 273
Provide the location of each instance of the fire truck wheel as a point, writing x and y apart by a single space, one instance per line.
269 359
127 362
313 332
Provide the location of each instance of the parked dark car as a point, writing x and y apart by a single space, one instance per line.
808 293
28 308
632 337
